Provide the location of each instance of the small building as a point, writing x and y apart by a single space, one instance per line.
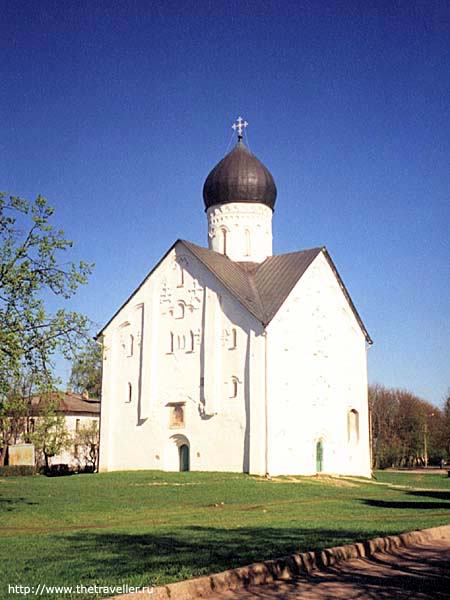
79 412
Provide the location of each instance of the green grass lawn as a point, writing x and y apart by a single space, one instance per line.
148 528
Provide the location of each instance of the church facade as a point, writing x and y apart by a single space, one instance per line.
229 358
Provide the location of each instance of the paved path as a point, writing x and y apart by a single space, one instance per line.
421 572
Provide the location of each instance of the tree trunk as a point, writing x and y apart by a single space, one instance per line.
3 455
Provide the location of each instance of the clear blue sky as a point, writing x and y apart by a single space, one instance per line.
117 111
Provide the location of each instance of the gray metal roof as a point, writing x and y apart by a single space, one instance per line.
260 287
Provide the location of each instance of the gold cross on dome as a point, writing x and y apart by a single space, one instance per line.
240 125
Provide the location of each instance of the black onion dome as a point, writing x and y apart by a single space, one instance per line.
239 177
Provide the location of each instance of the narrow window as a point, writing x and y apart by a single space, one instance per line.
234 387
77 425
130 392
191 342
181 342
224 240
353 426
75 451
131 345
247 243
170 344
180 275
233 339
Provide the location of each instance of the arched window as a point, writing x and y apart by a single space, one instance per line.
234 387
223 234
179 274
179 313
170 344
130 345
353 426
177 416
130 393
233 339
247 243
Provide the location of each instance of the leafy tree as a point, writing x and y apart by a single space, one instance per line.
32 266
406 430
50 435
446 424
86 371
87 440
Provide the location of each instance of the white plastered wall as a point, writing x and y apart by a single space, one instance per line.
317 373
242 231
184 325
68 456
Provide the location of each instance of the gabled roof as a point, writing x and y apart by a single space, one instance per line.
261 288
67 402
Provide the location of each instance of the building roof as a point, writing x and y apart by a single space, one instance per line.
261 288
68 402
239 177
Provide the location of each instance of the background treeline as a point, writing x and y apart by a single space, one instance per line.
406 430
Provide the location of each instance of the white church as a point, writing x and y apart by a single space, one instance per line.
231 358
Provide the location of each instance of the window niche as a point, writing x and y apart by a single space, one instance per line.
180 310
234 387
353 426
223 233
191 342
130 345
179 266
248 250
233 339
179 275
170 343
181 342
177 416
129 397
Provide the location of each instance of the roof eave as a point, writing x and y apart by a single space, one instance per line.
347 296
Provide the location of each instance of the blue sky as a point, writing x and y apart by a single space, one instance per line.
117 111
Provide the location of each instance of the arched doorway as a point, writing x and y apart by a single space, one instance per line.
177 453
183 452
319 456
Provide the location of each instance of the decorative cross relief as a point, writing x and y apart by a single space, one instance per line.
166 293
195 293
240 125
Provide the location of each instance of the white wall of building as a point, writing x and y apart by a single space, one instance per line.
183 342
317 373
72 456
169 362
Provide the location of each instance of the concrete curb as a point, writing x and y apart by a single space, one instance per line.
284 568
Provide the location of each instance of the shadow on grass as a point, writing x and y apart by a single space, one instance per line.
193 551
10 504
442 496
